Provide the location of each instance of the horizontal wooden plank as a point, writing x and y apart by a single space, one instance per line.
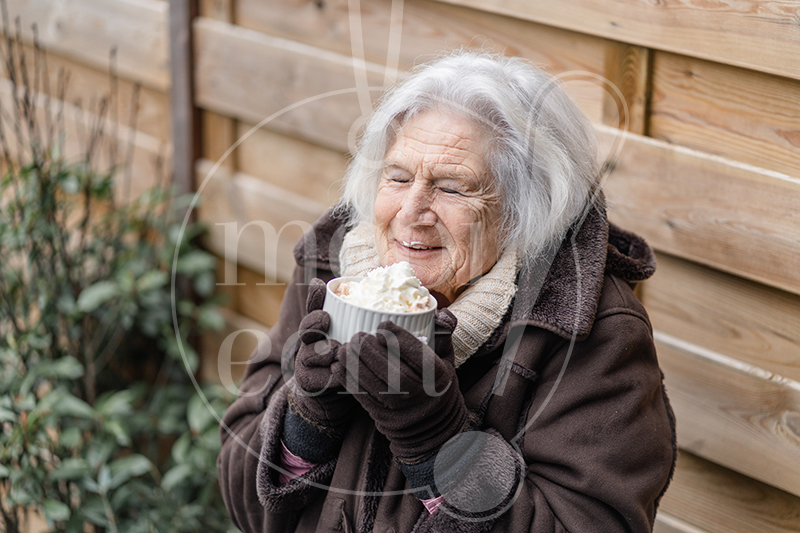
86 31
751 322
256 301
280 216
425 29
741 114
254 77
291 164
732 216
666 523
87 83
749 33
705 497
77 122
216 363
250 297
732 413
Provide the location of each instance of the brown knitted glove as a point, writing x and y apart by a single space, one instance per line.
409 391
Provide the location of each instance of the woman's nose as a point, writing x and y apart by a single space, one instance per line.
415 206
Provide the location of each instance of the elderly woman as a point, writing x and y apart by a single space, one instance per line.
547 410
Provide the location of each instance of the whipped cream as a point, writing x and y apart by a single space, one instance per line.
393 288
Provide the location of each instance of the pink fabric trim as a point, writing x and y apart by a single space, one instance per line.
295 466
432 504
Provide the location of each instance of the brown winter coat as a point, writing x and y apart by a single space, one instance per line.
590 451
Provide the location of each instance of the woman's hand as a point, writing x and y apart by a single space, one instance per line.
409 391
315 396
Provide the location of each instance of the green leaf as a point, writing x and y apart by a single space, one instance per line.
118 403
96 295
56 511
94 511
205 283
66 304
152 280
198 414
70 437
210 318
66 367
211 438
7 415
104 478
70 184
70 469
4 472
180 450
69 405
196 262
175 476
19 496
127 467
120 433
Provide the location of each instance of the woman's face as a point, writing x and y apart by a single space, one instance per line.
437 206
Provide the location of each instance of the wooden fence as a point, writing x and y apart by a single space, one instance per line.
710 175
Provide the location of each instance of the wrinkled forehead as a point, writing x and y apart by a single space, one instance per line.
476 121
442 143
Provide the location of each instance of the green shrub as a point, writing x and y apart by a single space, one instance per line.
101 420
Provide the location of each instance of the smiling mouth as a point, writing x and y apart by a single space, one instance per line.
416 245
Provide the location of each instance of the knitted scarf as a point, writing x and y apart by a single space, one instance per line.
479 309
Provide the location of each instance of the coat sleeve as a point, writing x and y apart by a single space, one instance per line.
245 424
595 450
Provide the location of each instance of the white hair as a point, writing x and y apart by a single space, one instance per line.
542 151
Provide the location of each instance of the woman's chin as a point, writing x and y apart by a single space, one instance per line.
429 278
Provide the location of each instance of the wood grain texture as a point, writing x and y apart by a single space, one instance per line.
291 164
666 523
753 323
217 9
628 68
427 28
218 135
257 301
734 217
86 83
759 35
251 76
741 114
706 497
733 414
85 31
237 197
